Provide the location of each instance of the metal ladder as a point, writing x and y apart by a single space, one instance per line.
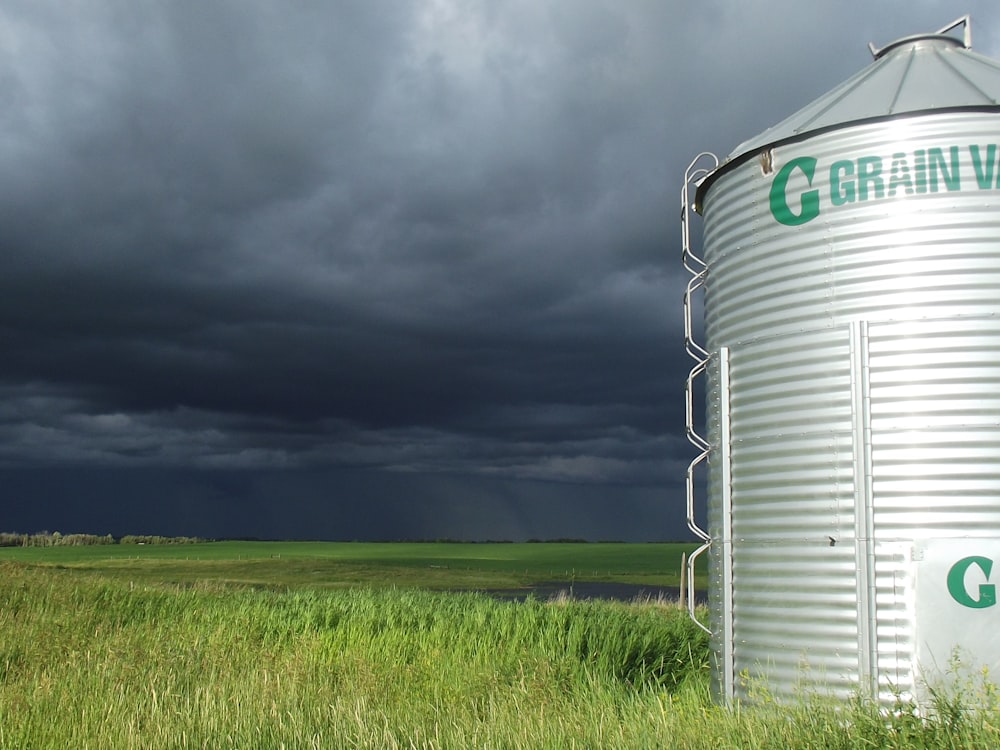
698 268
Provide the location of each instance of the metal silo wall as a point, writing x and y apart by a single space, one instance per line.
936 424
923 270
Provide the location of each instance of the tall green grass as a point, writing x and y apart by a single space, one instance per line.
92 662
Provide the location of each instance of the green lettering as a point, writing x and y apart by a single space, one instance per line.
956 583
984 172
809 199
920 166
870 177
938 165
842 189
899 175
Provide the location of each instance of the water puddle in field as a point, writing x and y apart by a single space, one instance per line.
622 592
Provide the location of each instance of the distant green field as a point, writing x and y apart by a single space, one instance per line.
452 566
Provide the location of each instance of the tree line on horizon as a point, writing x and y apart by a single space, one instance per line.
56 539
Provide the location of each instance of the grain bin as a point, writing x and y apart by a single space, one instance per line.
851 277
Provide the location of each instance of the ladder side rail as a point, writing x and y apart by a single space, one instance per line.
697 268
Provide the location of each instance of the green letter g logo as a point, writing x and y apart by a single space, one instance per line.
956 583
810 198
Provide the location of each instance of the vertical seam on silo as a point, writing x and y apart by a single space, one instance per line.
863 502
725 449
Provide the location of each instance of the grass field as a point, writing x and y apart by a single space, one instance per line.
440 566
92 656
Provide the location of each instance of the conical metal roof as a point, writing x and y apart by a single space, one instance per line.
916 74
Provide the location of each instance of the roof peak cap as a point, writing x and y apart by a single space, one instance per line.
941 35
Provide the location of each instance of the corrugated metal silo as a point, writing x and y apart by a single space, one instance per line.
851 273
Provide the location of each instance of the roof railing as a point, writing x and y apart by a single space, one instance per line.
965 21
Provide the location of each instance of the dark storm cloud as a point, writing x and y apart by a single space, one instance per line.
433 239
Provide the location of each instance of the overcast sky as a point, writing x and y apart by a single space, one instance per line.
372 268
